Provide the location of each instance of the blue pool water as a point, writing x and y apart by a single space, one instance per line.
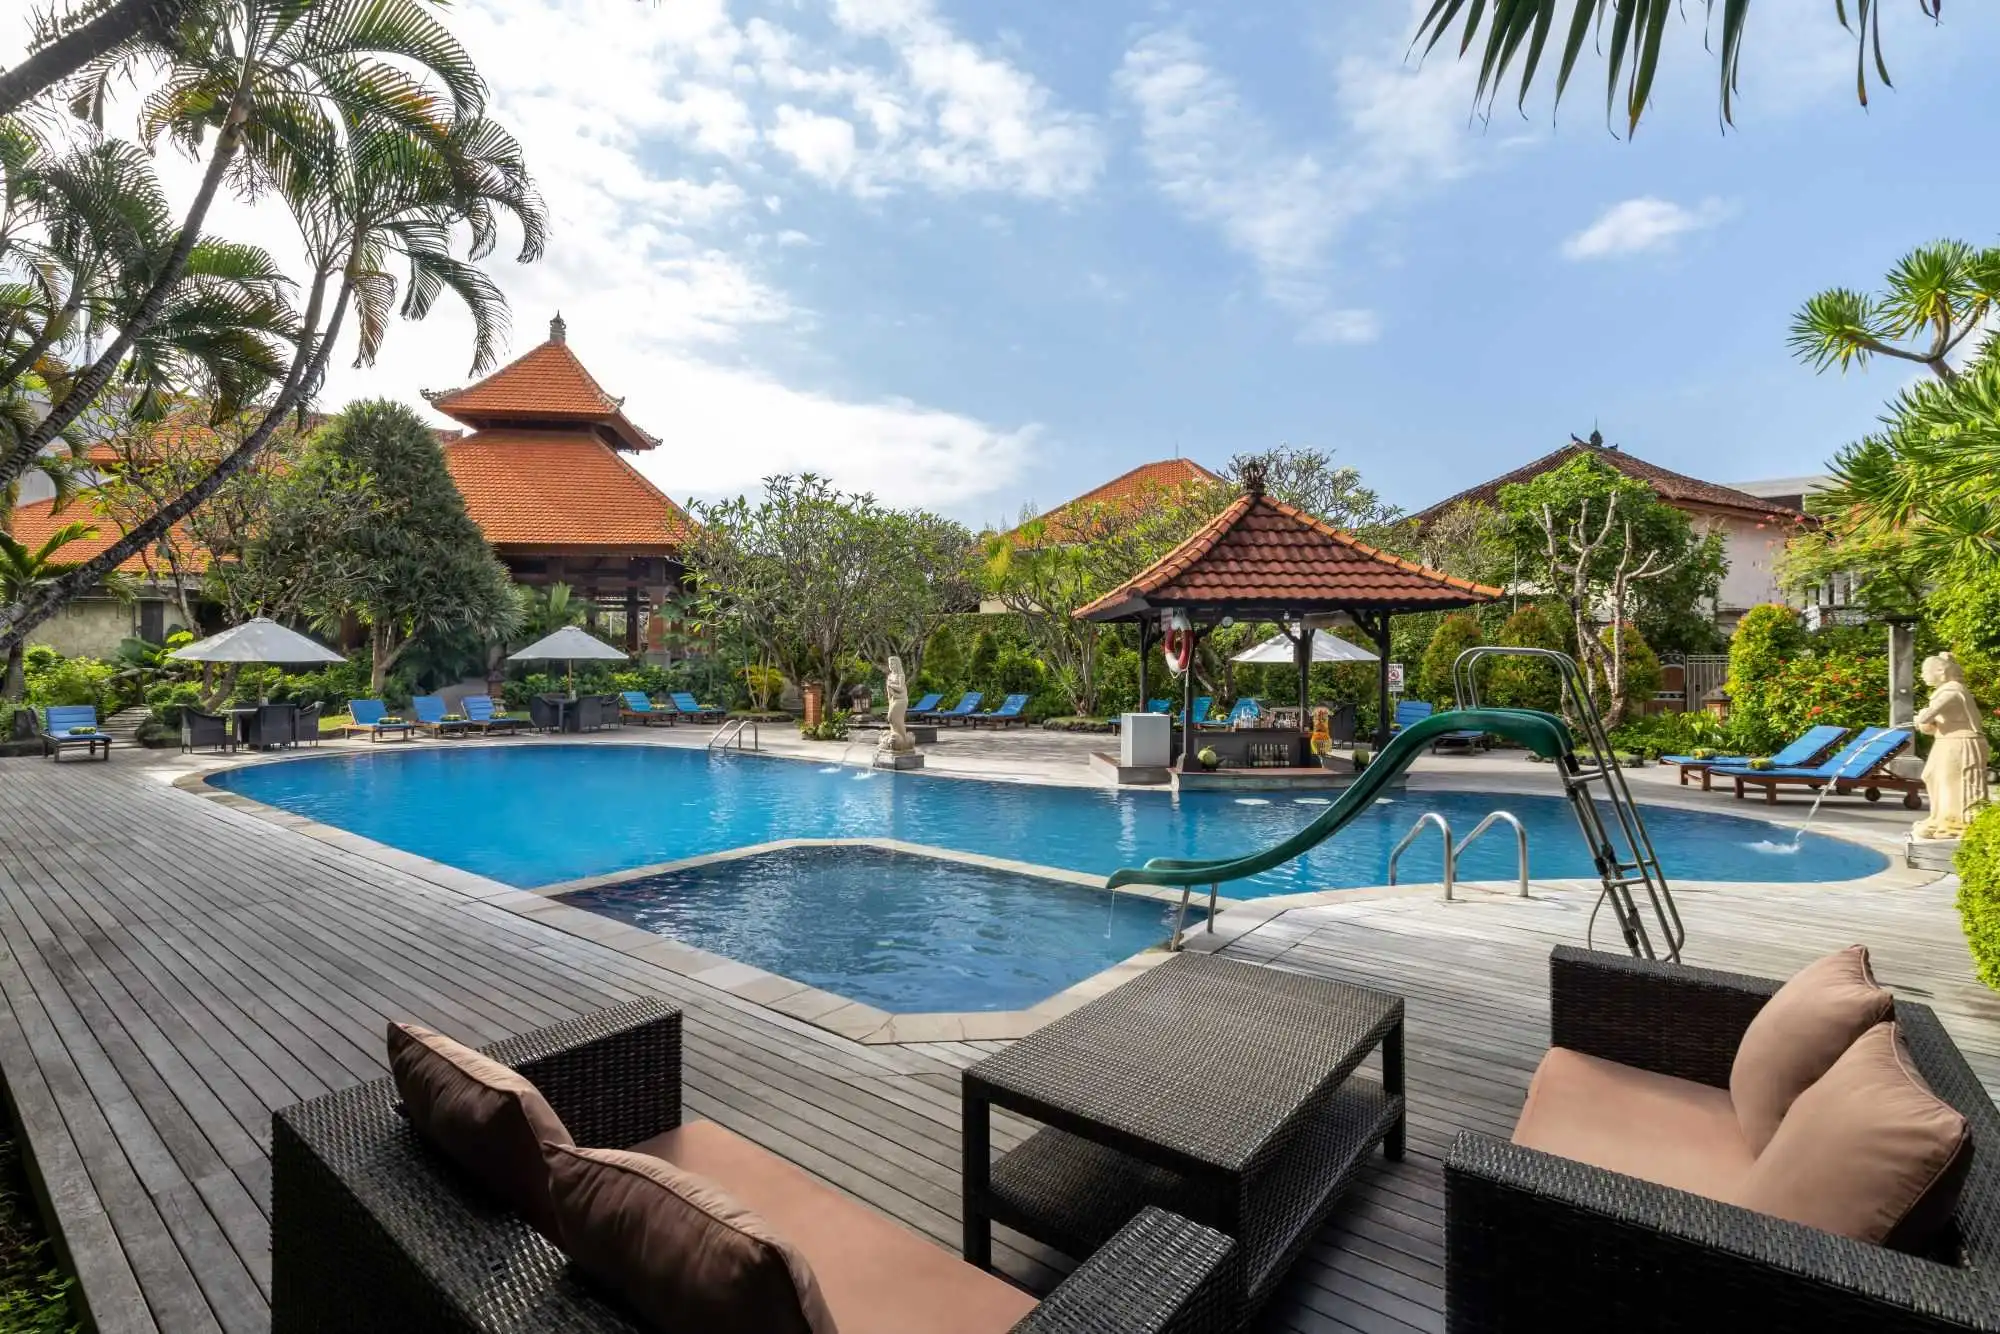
533 815
895 930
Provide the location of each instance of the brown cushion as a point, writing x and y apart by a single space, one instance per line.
1799 1034
486 1118
1868 1152
678 1249
878 1276
1672 1132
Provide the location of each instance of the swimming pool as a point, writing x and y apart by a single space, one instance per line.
895 930
533 815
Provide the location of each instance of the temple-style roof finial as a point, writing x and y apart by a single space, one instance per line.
1253 477
558 331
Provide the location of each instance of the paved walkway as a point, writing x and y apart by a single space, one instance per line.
172 970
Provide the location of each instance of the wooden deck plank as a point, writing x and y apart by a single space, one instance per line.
169 977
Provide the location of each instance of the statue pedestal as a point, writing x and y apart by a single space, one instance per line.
911 759
1929 854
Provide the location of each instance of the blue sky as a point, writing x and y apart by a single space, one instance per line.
975 255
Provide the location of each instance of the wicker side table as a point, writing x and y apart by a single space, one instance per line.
1219 1090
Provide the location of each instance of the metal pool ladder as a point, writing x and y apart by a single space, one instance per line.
731 734
1454 850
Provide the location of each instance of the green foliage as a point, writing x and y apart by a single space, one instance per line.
1641 673
34 1291
984 658
421 567
764 685
73 681
1671 733
168 698
1843 688
833 726
1520 683
1978 865
1766 639
1457 633
942 659
1310 480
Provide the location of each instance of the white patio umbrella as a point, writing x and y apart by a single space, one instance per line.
259 640
568 645
1325 648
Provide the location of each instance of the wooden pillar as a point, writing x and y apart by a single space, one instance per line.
1302 656
1145 647
1379 632
1187 703
631 614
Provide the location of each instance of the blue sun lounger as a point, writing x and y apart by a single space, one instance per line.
959 712
368 715
702 713
925 705
430 713
635 707
1859 766
1803 751
59 731
1008 713
486 716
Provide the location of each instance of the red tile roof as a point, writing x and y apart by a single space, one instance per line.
1266 554
1126 492
1675 488
34 524
528 488
547 383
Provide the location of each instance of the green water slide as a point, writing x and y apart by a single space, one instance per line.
1589 775
1543 733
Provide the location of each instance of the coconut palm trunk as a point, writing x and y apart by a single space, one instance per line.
117 25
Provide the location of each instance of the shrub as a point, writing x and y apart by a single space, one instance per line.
1978 864
1455 634
832 727
1767 638
985 657
1018 673
1843 688
1670 734
1642 673
167 699
1520 683
54 679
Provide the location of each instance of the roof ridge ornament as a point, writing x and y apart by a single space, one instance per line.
1252 477
558 331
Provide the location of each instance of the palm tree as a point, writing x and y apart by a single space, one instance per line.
1629 31
24 569
1940 293
63 50
387 191
276 84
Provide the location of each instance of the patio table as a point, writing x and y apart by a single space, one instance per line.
1219 1089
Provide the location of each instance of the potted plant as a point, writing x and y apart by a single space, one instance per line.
1208 759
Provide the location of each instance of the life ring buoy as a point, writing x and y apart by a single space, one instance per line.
1177 647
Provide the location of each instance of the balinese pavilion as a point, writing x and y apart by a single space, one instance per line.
545 472
1263 560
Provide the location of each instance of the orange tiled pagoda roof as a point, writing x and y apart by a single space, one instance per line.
545 385
33 524
554 488
543 468
1262 555
1124 493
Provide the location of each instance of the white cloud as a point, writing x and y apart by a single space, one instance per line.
1637 226
823 146
1280 205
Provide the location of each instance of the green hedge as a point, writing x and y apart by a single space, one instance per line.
1979 893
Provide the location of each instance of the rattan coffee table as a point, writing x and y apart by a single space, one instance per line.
1217 1089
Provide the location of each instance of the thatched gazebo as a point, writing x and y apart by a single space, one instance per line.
1263 560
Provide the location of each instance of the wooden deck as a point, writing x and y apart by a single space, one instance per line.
172 970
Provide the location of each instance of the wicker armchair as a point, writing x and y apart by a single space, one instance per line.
271 726
596 711
305 725
370 1230
545 712
1537 1242
200 731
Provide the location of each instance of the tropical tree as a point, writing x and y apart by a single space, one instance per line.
62 46
24 569
384 193
1629 34
1597 539
547 610
1939 294
272 90
419 565
1310 480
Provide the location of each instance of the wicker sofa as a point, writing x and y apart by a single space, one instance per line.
370 1231
1535 1242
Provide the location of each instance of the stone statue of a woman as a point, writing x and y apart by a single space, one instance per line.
897 740
1955 773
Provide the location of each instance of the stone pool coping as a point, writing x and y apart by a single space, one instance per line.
855 1019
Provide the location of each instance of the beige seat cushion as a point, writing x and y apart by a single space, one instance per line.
877 1276
1868 1151
1672 1132
678 1248
487 1119
1799 1034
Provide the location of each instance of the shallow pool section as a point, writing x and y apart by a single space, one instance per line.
536 813
896 930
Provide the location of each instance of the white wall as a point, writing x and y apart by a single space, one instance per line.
1752 550
88 627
